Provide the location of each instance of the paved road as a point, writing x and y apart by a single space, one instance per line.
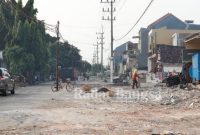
27 97
37 110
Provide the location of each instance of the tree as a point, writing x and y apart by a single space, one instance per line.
26 48
85 66
96 68
68 55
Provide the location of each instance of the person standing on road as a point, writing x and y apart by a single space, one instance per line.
135 78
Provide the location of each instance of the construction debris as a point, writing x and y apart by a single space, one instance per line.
103 90
87 88
111 93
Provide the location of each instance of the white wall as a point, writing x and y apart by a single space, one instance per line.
171 68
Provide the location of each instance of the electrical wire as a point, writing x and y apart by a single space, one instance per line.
118 2
31 18
61 37
146 9
123 4
48 27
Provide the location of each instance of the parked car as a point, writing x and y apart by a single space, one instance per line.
6 82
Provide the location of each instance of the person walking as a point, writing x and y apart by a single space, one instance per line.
135 78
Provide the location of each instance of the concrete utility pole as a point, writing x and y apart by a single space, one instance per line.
102 44
111 10
97 52
57 55
94 58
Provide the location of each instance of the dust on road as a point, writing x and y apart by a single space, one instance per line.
150 109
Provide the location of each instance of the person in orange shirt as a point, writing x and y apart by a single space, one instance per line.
135 79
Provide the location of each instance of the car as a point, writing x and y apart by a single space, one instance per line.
7 84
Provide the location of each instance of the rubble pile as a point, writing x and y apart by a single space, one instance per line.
184 98
158 94
87 88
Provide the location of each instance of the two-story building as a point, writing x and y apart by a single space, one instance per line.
170 39
168 30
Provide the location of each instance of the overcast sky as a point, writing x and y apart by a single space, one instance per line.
81 19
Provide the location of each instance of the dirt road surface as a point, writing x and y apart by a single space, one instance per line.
36 110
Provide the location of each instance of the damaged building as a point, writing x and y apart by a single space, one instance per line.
167 30
125 57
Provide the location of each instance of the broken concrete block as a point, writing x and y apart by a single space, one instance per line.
87 88
111 93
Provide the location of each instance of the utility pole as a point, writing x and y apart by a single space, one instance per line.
111 19
102 44
57 55
94 58
97 52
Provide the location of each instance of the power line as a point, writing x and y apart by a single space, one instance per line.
111 19
101 34
48 27
118 2
31 18
78 27
62 37
57 55
97 52
123 4
76 42
146 9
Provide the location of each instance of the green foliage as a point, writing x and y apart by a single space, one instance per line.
85 66
27 48
97 68
68 55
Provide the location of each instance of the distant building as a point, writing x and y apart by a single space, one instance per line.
165 36
130 57
155 34
143 48
125 57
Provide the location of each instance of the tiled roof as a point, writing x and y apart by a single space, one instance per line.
172 22
192 36
194 27
162 18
